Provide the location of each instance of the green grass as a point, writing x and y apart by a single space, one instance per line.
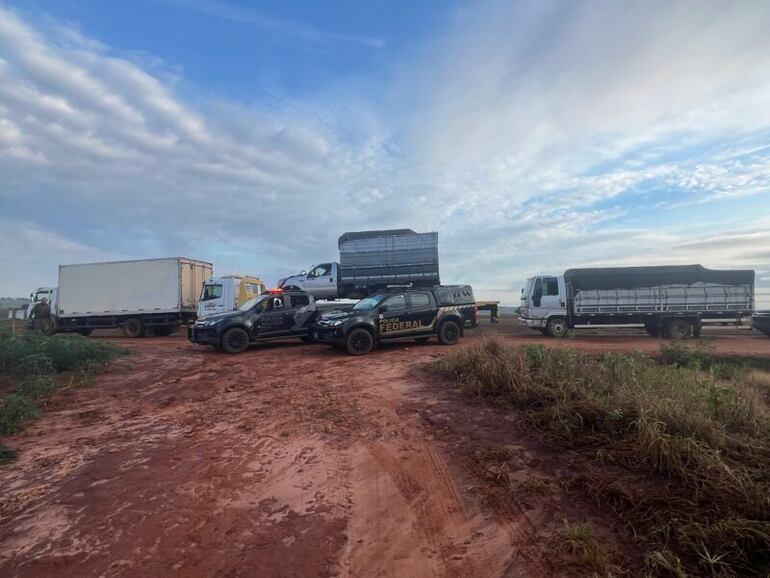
35 364
693 436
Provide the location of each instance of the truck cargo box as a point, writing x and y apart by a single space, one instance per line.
686 289
170 285
396 256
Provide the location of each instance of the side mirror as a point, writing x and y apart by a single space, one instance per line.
382 308
303 273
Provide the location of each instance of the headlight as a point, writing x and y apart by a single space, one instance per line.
337 323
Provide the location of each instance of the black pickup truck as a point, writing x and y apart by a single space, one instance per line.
400 313
276 314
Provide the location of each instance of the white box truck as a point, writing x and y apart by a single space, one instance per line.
142 295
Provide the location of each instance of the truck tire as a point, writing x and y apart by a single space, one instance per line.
678 329
235 340
652 330
449 333
360 341
557 327
134 327
85 332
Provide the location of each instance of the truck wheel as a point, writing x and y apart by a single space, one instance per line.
85 332
652 330
235 340
449 333
678 329
359 342
557 327
134 328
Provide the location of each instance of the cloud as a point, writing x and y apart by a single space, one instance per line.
279 26
533 137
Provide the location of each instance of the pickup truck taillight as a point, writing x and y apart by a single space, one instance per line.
475 313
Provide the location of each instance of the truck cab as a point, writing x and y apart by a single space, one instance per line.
544 304
49 293
227 293
321 281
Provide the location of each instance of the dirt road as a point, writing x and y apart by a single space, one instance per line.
289 460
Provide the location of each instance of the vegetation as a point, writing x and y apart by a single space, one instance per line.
37 364
679 447
6 454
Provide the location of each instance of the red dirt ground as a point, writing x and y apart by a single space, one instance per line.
288 460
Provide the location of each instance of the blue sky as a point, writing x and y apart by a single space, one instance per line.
534 136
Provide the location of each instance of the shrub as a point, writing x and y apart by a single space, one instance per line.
6 454
16 411
700 432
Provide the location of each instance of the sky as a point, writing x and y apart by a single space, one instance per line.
533 136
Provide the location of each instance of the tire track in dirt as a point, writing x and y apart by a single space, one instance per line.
286 461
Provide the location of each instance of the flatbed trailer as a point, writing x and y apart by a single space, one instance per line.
491 306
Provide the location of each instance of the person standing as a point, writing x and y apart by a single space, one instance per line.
41 317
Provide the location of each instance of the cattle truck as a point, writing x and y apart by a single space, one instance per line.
140 296
371 261
668 301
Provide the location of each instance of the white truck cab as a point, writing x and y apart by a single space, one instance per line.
544 304
227 293
49 293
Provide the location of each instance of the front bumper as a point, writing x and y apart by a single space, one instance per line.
532 323
326 334
203 335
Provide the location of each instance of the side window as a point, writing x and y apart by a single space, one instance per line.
550 286
321 270
211 292
395 303
299 301
419 300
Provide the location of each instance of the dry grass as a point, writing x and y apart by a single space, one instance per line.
693 436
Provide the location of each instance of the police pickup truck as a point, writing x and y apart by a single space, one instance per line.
276 314
400 313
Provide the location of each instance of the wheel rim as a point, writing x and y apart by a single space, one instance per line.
450 333
558 328
360 342
236 340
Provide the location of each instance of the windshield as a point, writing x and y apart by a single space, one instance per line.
251 303
369 302
211 292
527 288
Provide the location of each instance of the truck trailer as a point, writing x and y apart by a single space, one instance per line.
668 301
371 261
140 296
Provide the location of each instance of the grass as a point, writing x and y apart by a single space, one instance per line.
36 364
691 430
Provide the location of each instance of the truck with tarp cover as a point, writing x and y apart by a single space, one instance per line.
672 301
371 261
